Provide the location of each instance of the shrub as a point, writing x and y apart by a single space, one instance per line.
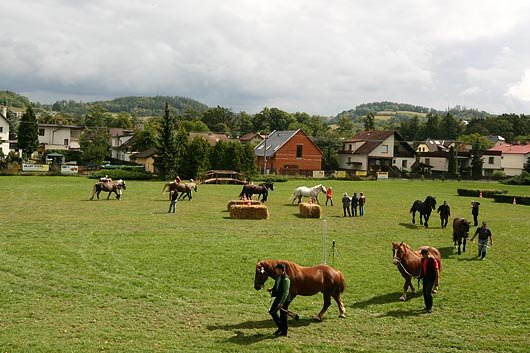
520 200
116 174
523 179
476 193
499 175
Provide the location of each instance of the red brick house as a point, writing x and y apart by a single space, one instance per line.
289 153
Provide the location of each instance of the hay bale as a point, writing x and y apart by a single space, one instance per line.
249 212
310 210
241 202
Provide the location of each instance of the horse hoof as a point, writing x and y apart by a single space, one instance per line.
317 318
402 298
342 316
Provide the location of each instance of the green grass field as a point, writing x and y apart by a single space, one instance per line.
125 276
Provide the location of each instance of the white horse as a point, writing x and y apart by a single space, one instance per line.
308 192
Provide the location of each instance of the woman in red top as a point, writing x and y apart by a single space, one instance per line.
430 273
329 196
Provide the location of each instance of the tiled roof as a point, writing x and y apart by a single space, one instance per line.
274 142
144 154
512 149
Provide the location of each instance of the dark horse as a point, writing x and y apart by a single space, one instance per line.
306 281
110 187
408 262
424 208
184 188
460 232
261 190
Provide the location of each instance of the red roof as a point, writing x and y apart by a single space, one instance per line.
513 149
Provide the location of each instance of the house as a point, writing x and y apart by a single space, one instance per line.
4 131
513 157
59 137
372 151
491 162
210 137
431 145
251 137
438 162
121 141
289 153
146 158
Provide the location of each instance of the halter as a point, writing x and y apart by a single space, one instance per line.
397 261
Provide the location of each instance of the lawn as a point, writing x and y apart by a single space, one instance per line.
125 276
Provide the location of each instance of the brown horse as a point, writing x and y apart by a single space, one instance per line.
110 187
408 262
306 281
184 188
460 232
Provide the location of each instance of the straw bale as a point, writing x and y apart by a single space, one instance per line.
249 212
310 210
241 202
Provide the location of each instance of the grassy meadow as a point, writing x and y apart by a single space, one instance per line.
125 276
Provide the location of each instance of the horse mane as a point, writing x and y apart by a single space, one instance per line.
270 264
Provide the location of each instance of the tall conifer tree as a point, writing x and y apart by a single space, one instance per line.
28 133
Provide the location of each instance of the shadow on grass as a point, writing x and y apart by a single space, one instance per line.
448 252
383 299
244 339
410 226
403 313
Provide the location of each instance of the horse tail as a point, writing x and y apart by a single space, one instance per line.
242 193
94 189
413 208
165 186
341 283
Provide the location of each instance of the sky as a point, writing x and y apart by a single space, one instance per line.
318 57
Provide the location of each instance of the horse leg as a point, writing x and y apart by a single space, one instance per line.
414 217
316 197
327 303
426 221
405 288
465 239
421 219
459 243
342 309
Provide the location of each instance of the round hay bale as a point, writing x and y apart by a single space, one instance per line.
249 212
241 202
310 210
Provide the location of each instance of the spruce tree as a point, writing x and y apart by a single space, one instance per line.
452 163
476 161
28 133
167 151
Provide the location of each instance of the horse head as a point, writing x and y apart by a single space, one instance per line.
464 226
261 275
431 201
398 250
121 184
322 188
269 185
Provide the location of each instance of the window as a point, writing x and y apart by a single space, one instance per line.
299 151
384 148
428 161
66 142
41 132
490 160
349 160
404 163
349 147
1 129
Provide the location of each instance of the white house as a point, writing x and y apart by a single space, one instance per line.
4 131
513 157
59 137
120 143
375 151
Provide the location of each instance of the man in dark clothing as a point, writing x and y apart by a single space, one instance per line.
346 204
362 202
282 299
430 273
174 199
444 211
474 212
484 233
354 204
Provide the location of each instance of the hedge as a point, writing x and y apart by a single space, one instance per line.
520 200
476 193
116 174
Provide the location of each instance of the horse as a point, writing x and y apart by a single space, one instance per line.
110 187
184 188
424 208
312 193
306 281
261 190
460 232
408 263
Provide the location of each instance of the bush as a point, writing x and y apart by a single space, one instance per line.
520 200
499 175
476 193
116 174
523 179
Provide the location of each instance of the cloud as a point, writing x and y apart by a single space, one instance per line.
312 56
521 90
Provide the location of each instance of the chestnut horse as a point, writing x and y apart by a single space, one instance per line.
460 232
306 281
408 262
110 187
184 188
